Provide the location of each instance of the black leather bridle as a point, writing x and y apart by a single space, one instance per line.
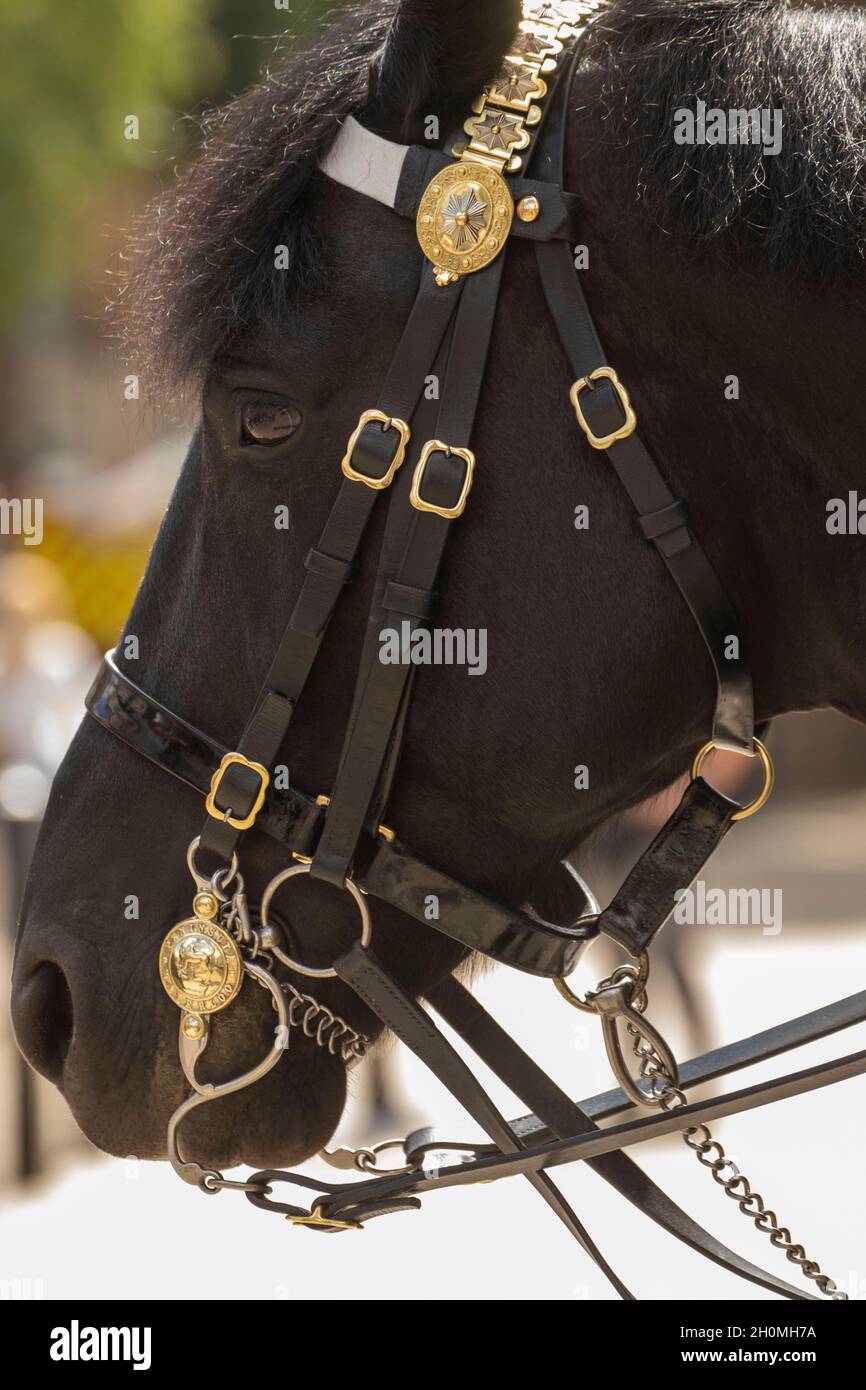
344 838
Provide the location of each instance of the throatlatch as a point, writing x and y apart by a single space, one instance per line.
505 179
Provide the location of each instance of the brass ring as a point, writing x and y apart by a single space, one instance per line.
322 972
571 997
767 764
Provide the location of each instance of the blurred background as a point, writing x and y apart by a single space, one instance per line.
82 436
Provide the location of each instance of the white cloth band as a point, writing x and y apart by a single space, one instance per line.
363 161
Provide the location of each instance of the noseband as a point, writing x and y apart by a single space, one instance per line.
501 176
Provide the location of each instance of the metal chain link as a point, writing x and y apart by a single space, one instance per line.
725 1172
326 1028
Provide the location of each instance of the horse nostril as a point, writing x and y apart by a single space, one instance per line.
43 1020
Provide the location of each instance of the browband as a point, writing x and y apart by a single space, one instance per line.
398 175
365 162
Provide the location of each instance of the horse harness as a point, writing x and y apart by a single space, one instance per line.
503 176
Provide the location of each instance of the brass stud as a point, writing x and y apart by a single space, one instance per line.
205 905
528 208
193 1027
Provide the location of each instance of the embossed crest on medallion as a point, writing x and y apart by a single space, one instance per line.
464 217
200 966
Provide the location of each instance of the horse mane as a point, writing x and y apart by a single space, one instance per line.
805 207
200 275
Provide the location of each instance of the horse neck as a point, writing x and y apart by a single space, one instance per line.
747 392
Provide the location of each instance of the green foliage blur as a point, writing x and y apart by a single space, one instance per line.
73 73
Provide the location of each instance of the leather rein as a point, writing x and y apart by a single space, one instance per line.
464 201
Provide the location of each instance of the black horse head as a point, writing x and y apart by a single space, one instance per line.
728 283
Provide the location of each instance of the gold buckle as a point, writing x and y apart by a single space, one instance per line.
326 1223
434 446
628 426
387 422
384 830
769 776
210 801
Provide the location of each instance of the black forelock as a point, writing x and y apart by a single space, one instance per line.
201 270
201 263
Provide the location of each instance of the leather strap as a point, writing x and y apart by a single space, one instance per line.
563 1117
540 1157
527 943
662 517
329 564
709 1066
373 737
679 851
599 1142
380 687
393 873
360 969
355 1213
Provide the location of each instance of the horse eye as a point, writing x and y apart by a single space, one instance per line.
268 422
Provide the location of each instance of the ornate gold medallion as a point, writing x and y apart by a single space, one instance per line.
464 217
200 966
465 213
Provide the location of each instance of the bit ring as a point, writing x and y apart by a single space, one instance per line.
316 973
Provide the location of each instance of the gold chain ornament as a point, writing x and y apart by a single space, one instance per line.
466 211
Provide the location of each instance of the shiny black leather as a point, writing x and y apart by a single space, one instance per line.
679 851
391 872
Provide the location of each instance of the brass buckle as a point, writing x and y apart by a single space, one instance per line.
434 446
325 1223
210 801
769 776
387 422
384 830
629 424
